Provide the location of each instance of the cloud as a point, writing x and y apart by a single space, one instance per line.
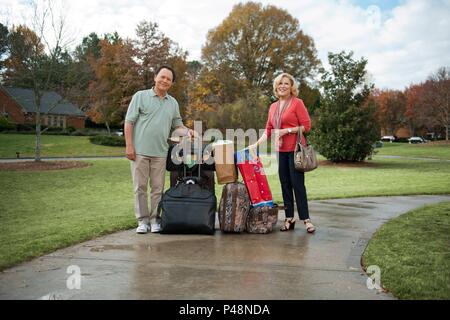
403 44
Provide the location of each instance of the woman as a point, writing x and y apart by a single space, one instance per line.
287 117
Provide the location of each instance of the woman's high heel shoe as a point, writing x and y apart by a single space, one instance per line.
309 226
289 224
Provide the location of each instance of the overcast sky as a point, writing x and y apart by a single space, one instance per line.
403 40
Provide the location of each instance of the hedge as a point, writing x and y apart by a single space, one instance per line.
112 141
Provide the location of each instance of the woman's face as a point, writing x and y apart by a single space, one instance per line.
284 88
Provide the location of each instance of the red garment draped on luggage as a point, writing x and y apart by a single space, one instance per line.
255 180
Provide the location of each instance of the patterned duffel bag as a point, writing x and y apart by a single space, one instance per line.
262 219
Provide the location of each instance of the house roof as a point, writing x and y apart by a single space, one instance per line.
25 98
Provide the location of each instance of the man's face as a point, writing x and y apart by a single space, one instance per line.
164 80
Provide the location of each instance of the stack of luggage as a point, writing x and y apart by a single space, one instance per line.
244 206
189 205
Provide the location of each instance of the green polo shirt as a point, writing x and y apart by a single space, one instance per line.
153 119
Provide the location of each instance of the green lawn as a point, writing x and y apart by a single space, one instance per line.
53 146
66 146
47 210
383 177
43 211
413 253
433 150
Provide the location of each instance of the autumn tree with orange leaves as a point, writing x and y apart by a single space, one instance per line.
255 43
126 66
416 113
437 97
391 106
154 49
422 108
116 80
245 53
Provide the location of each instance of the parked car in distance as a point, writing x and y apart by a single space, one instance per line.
388 138
119 133
417 140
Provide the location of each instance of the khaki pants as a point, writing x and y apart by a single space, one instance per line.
143 169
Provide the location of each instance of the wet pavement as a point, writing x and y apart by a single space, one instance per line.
278 266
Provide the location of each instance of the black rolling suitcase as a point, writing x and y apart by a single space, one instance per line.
188 208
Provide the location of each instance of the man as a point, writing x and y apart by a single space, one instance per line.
151 116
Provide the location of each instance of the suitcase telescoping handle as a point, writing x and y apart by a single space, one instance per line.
199 168
198 164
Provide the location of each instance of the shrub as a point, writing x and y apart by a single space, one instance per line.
346 127
6 125
87 132
24 127
112 141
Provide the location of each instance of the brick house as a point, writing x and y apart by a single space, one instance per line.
17 105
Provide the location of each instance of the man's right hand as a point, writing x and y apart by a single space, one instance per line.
131 153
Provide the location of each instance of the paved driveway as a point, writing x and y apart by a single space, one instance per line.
280 265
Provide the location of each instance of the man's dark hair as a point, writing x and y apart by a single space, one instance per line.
168 68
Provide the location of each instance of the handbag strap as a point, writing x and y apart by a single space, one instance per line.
299 138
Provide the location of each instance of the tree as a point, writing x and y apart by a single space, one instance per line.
391 107
345 128
193 70
80 73
26 58
116 80
416 114
437 95
310 96
89 47
3 44
255 43
154 49
203 99
33 60
249 112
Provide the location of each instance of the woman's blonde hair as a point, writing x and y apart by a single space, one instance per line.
294 84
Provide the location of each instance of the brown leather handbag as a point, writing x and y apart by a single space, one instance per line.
305 158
